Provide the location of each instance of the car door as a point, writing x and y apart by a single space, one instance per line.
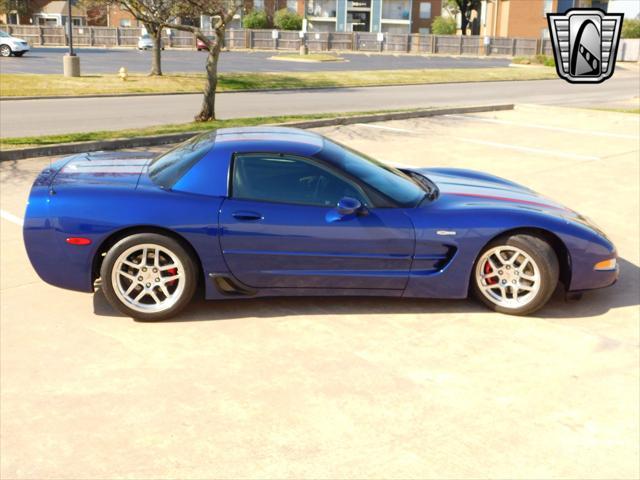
280 229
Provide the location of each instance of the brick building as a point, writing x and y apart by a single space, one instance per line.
528 18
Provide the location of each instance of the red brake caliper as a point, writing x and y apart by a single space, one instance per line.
172 271
487 269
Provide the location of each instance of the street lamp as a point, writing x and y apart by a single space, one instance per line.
70 62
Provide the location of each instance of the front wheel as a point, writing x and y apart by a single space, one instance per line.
516 274
5 51
148 276
19 54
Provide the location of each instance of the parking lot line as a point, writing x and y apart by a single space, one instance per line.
10 217
393 129
544 127
539 151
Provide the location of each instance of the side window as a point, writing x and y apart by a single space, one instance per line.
273 178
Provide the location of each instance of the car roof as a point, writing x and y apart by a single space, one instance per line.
269 139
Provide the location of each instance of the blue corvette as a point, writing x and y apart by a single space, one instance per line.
275 211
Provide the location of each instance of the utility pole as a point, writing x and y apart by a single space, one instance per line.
70 62
70 23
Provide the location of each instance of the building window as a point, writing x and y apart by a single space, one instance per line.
547 7
425 10
396 9
424 31
322 8
258 4
292 5
125 22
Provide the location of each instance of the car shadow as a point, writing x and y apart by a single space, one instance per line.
624 293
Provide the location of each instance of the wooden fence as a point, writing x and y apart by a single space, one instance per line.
292 40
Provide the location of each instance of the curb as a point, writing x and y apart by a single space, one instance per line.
82 147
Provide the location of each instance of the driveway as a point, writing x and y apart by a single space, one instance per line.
345 387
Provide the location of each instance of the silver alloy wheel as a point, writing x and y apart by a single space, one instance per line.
508 276
148 278
5 50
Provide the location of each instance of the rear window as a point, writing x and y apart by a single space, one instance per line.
167 169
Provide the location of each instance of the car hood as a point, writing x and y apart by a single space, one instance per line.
471 187
102 168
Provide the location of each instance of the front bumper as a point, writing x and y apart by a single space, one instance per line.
19 47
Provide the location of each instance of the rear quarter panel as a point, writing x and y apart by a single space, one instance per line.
98 212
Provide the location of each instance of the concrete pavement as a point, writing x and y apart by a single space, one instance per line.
42 117
102 60
345 388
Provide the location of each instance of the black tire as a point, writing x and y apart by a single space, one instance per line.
542 254
18 54
190 274
5 51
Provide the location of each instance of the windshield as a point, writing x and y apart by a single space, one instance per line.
389 181
167 169
145 36
4 34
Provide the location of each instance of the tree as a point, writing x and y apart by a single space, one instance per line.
255 19
631 28
221 13
444 26
153 14
464 8
10 6
285 19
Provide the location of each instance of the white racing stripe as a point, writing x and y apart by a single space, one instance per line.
544 127
539 151
10 217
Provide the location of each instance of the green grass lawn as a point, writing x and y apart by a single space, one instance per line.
24 142
633 110
12 85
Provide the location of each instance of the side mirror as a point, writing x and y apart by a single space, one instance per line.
348 206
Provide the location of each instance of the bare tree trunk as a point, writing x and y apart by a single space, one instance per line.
156 64
208 109
463 18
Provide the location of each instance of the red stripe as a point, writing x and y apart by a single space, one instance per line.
506 199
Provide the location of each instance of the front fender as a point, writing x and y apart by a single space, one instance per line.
468 231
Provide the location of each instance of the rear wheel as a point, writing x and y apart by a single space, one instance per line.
516 274
148 276
5 51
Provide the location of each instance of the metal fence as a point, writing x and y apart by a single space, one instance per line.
292 40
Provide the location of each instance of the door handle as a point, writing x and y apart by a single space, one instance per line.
247 216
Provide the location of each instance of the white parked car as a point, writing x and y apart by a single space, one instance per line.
146 42
9 45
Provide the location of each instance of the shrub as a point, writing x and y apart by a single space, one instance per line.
521 60
545 60
631 28
255 19
285 19
444 26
